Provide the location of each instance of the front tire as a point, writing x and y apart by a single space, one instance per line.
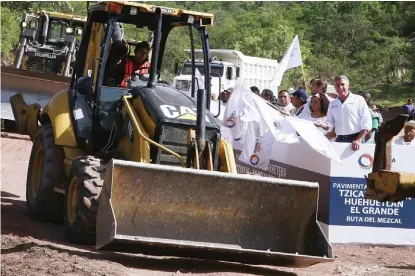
82 199
46 171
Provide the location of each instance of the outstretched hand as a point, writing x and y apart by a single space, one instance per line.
356 145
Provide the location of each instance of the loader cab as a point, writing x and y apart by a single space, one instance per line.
48 42
99 100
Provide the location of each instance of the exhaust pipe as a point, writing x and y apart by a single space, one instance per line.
69 57
20 53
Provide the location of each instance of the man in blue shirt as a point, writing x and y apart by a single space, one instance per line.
409 109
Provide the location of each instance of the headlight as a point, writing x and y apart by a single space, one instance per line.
69 30
24 24
133 11
78 31
32 25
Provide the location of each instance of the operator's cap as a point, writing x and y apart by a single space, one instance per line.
300 93
410 123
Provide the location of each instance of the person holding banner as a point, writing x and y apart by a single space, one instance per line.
319 106
349 115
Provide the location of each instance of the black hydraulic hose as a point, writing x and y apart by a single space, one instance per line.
205 45
192 49
156 48
200 120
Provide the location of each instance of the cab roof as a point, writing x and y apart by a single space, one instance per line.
126 7
59 15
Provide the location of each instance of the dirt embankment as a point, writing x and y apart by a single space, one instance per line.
33 248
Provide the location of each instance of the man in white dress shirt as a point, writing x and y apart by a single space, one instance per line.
349 115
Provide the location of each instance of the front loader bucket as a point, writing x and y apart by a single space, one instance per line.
171 211
35 87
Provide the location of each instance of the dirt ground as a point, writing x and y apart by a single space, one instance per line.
33 248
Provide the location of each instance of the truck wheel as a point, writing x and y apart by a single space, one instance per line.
46 170
82 198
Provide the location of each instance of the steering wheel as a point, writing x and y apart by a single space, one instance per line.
148 68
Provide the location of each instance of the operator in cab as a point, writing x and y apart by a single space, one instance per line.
137 64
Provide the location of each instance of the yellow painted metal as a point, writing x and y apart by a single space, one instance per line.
390 185
226 157
94 50
73 199
32 120
137 129
137 149
59 15
59 113
209 158
165 10
26 116
145 119
19 108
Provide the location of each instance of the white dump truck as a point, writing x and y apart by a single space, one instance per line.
227 68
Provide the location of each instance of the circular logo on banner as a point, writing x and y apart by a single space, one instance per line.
365 161
254 159
230 123
277 125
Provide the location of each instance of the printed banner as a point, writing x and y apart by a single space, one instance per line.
349 207
257 148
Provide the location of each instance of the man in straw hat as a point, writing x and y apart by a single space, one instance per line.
409 135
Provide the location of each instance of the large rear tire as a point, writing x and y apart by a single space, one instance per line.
82 199
46 170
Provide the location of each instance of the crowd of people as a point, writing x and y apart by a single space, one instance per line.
341 115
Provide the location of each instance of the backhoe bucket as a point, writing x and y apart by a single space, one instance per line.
172 211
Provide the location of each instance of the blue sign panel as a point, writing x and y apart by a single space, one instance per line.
349 207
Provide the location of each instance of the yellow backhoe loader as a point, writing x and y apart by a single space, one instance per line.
43 59
143 168
48 42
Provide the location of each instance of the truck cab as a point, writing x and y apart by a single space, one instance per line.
223 74
229 67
